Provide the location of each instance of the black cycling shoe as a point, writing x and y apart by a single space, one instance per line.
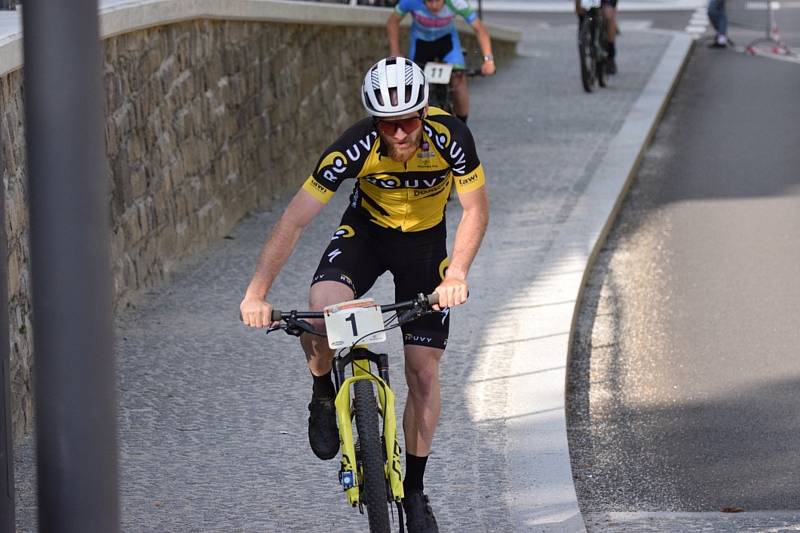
419 515
323 435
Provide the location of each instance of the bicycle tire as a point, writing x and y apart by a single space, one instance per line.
601 41
371 457
585 54
601 73
440 96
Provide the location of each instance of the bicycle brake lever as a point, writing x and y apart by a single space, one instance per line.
409 314
297 327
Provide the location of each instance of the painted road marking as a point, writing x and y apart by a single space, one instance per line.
775 5
698 24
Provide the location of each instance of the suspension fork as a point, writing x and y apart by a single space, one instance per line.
360 358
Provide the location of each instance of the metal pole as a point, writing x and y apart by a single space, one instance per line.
7 524
70 233
769 20
480 9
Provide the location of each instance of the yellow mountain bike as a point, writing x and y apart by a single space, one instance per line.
370 471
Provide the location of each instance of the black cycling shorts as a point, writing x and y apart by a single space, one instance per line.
360 251
441 50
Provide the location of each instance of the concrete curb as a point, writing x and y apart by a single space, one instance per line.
542 496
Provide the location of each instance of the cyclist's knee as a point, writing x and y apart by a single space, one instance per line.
325 293
422 369
422 382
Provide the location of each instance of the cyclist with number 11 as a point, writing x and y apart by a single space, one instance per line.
404 158
434 38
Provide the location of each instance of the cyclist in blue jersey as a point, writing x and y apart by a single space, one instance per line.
434 38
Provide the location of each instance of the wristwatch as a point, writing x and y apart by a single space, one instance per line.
490 57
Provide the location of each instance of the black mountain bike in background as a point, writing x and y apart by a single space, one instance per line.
592 46
441 92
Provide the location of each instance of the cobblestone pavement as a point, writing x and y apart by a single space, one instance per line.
213 416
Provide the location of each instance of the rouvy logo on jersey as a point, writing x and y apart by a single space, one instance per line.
393 182
334 254
335 163
417 339
457 159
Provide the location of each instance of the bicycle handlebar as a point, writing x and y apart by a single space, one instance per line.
421 300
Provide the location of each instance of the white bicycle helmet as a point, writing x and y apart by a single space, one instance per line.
394 73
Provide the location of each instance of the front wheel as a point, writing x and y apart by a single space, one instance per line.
602 47
441 97
371 457
586 54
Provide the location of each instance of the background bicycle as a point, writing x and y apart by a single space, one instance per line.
592 45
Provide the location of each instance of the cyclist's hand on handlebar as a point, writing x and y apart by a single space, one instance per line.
256 312
452 292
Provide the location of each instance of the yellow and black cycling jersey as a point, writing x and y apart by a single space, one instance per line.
407 196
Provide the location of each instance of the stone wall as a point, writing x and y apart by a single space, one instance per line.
208 120
205 121
12 170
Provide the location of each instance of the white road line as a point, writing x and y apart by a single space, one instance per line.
775 5
698 23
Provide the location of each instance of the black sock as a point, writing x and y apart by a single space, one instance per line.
463 118
611 49
415 471
323 386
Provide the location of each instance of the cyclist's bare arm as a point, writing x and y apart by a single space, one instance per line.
469 234
256 311
485 42
393 32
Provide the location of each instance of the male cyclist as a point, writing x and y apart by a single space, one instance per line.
434 38
609 8
404 158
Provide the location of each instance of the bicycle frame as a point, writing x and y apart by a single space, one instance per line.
359 358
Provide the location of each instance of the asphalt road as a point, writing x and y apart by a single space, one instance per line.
685 375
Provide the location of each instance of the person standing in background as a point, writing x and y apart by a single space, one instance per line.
719 20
